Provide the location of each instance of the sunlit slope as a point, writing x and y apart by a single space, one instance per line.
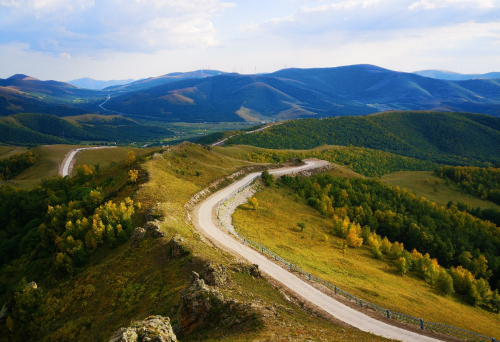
274 225
423 183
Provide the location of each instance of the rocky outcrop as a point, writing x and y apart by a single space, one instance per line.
154 228
252 269
214 275
152 329
138 234
197 303
203 305
176 247
155 213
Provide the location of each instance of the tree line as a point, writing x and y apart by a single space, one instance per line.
365 161
469 247
17 163
482 182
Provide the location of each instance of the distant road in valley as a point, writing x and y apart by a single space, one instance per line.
204 221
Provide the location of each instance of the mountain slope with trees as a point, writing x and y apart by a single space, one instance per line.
447 138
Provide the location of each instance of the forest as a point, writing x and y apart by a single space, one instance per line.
56 226
36 129
453 237
365 161
444 138
482 182
17 163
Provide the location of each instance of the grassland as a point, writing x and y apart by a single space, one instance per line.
108 156
7 151
49 159
415 181
274 224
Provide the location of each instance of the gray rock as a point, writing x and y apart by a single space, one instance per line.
154 228
177 248
138 234
152 329
124 335
214 275
252 269
155 213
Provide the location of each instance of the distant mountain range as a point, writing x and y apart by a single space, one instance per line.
25 94
208 95
90 83
454 76
299 93
164 79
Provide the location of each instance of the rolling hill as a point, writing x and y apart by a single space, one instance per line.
21 94
455 76
448 138
298 93
35 129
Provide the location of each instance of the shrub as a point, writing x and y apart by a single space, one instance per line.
253 202
385 246
353 239
401 266
444 283
301 225
267 178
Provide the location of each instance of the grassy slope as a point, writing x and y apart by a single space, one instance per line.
135 284
107 156
7 151
275 226
414 181
49 159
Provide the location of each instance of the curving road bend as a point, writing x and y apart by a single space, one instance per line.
68 162
203 221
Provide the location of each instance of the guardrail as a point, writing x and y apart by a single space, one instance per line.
442 328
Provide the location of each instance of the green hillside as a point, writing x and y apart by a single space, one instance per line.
36 129
448 138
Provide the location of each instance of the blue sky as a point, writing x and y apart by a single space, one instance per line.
120 39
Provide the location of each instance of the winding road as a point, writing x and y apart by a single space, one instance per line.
203 218
69 160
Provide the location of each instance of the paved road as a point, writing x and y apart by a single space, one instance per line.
67 164
203 221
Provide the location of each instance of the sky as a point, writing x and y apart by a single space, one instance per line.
133 39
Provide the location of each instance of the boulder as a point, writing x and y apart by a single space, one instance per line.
155 213
203 305
138 234
196 303
152 329
176 247
252 269
214 275
154 228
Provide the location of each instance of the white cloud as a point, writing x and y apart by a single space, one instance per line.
111 25
65 55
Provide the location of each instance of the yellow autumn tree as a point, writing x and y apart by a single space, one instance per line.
133 175
353 238
130 158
